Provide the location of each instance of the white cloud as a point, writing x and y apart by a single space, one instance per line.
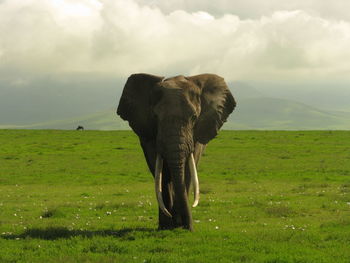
254 9
122 36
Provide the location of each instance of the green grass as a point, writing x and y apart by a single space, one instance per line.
266 196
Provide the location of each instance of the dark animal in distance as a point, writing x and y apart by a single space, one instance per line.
80 128
174 119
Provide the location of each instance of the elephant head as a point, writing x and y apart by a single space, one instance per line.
175 118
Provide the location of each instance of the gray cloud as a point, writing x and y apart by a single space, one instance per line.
171 37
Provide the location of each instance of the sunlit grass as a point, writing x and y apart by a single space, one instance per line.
68 196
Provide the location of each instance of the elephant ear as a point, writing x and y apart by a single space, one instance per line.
217 103
135 103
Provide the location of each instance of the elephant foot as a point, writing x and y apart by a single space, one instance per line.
167 223
185 226
171 227
162 227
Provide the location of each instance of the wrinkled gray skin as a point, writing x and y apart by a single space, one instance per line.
175 117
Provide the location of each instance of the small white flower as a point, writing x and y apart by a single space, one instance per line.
216 227
108 213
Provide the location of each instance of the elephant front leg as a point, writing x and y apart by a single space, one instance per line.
149 150
176 220
165 222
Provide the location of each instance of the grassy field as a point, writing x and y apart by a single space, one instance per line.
71 196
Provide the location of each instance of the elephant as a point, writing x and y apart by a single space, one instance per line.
174 119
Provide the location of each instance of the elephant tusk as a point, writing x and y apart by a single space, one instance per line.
158 185
194 179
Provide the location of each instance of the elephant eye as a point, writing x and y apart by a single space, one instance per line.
194 117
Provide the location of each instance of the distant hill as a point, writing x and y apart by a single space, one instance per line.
105 120
57 99
255 110
251 113
281 114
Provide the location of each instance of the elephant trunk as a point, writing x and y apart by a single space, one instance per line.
175 146
181 207
175 160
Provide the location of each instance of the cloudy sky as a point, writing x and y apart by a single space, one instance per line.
305 42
